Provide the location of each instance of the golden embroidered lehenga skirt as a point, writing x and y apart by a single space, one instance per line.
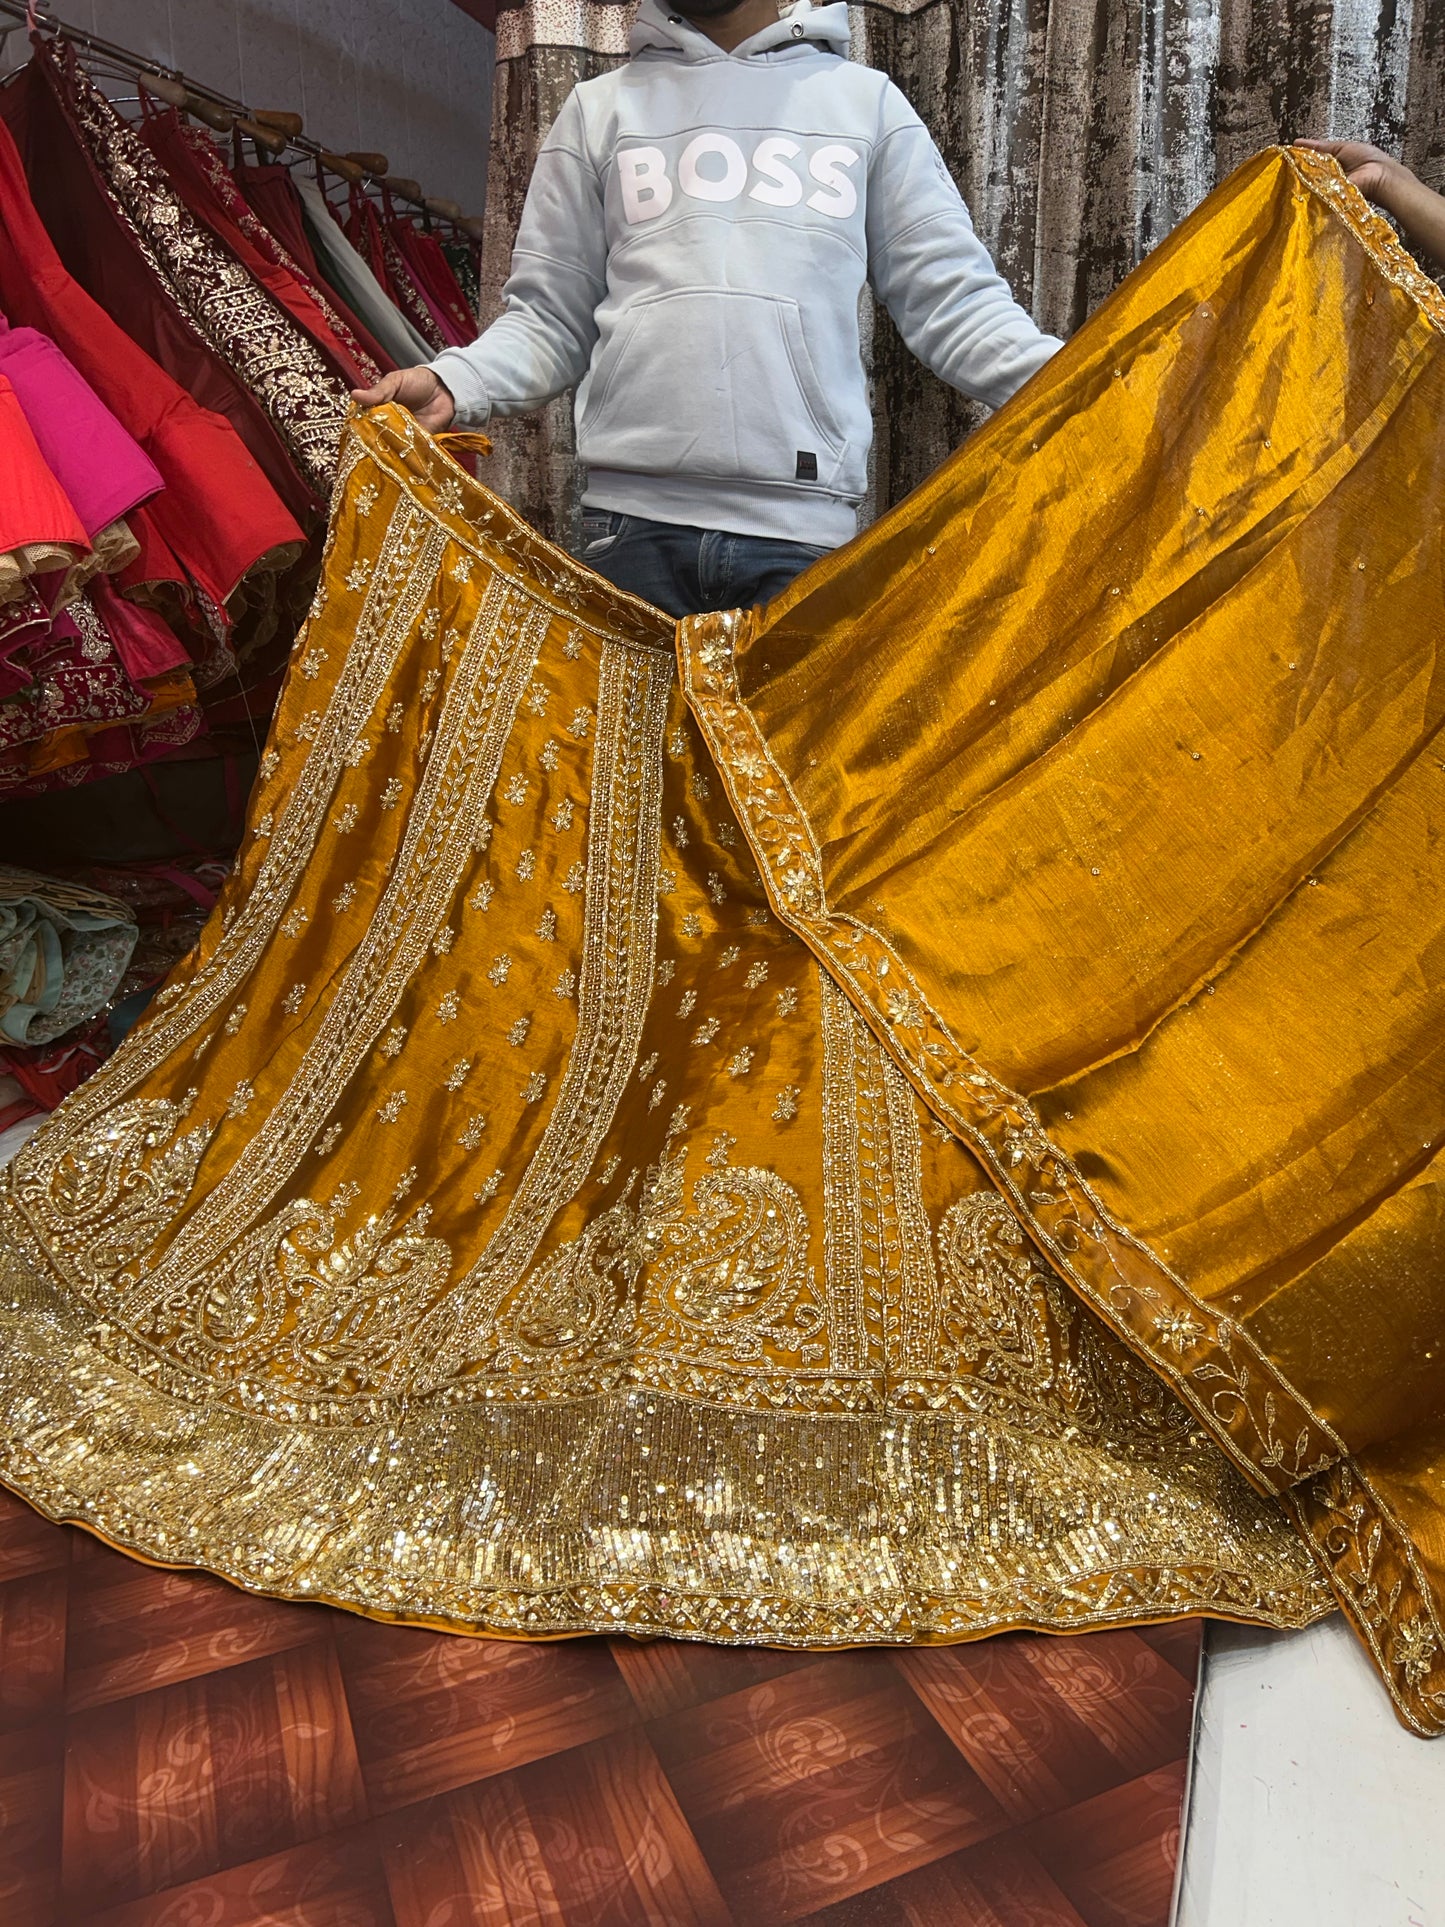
907 1113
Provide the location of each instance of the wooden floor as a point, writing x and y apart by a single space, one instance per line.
176 1754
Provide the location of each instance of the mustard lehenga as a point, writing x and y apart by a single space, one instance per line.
924 1121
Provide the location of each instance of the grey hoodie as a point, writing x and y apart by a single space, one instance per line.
696 236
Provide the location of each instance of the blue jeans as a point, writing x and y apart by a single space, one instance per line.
687 571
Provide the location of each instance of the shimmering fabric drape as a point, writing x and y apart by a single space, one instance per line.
929 1126
1080 133
523 1232
1161 932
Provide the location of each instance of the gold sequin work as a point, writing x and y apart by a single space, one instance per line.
697 1330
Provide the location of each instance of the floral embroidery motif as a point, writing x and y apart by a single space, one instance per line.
1413 1649
344 898
240 1100
234 1022
563 814
786 1108
263 825
609 1170
471 1136
481 897
692 924
727 836
392 1108
716 892
666 881
461 570
395 717
344 820
722 1145
358 575
430 684
575 881
566 984
392 794
443 941
706 1031
741 1063
328 1140
647 1066
729 957
391 1044
527 865
1178 1330
457 1075
903 1009
269 765
293 1000
657 1094
787 1001
358 752
295 922
701 785
517 1035
448 1008
757 974
538 697
679 832
534 1088
500 970
490 1189
547 926
403 1184
549 755
580 724
677 742
687 1003
516 790
312 663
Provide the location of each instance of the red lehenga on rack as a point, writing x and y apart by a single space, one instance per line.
217 523
271 196
203 182
125 232
43 542
372 238
431 272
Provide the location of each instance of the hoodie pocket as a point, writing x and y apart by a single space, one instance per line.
716 383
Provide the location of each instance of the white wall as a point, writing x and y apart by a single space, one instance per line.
1309 1804
411 78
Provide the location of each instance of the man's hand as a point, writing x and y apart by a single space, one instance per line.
1374 172
419 389
1390 185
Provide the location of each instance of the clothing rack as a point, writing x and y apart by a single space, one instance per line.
266 129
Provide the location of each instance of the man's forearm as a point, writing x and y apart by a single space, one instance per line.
1419 210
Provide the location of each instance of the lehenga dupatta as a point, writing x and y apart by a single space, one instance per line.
1159 930
523 1213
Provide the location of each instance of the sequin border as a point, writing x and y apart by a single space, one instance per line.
1256 1415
